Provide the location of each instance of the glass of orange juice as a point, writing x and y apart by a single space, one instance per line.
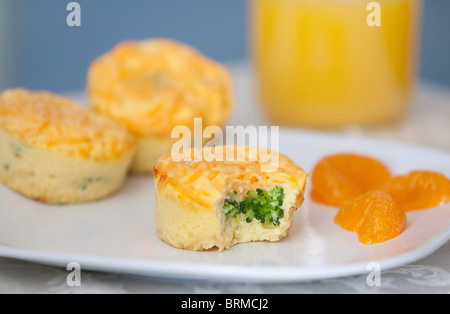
332 63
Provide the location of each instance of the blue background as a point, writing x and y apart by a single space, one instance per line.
47 54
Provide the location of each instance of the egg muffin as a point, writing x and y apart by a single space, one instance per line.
54 151
205 204
154 85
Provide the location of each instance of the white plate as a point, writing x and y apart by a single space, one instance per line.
119 234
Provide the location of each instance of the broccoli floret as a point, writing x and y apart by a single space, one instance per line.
264 206
230 208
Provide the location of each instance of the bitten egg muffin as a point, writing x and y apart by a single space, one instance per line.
154 85
219 203
54 151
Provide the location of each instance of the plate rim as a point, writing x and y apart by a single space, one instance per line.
222 272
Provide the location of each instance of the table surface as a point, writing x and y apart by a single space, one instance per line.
428 123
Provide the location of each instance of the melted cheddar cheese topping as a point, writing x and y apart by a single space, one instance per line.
154 85
55 123
203 181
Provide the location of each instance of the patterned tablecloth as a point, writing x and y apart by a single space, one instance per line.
428 123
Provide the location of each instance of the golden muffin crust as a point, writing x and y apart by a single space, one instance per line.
57 124
202 181
154 85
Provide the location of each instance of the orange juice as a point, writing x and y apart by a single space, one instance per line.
318 63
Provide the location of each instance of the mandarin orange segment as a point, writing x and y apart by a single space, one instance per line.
339 178
419 190
375 216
